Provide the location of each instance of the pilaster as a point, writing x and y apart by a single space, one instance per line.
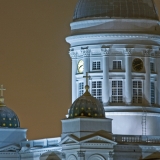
81 155
73 56
128 77
147 84
105 85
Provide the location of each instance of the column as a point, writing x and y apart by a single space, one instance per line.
111 154
86 59
63 156
147 84
81 155
105 84
73 55
158 77
128 76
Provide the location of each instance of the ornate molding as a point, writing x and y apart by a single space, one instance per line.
147 52
73 54
81 153
128 51
105 51
86 52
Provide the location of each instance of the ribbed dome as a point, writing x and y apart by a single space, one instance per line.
7 117
87 106
143 9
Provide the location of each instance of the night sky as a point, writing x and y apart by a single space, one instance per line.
35 66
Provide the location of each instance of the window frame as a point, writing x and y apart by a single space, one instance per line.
99 97
116 89
116 66
96 65
137 88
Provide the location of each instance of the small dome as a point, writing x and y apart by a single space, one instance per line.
141 9
7 117
87 106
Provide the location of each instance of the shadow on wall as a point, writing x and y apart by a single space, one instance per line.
51 156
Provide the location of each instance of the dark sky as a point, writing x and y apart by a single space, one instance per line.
35 66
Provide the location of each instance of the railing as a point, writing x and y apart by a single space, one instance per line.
136 139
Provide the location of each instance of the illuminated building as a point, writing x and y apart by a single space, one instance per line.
117 43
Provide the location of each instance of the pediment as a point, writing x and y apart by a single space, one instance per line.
98 139
69 140
10 148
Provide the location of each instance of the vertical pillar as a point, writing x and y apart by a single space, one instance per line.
81 155
73 55
128 76
158 77
110 156
63 156
105 84
147 85
86 59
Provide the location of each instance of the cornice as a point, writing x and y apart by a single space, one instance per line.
74 38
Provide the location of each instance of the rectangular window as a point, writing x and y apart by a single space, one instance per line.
117 65
96 65
117 92
80 89
137 91
97 90
152 93
152 67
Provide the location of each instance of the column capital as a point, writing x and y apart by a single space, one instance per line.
73 54
86 52
105 51
147 52
128 51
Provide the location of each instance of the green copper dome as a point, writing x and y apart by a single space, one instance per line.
87 106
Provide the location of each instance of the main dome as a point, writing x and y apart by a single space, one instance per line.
141 9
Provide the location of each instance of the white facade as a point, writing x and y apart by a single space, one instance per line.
122 58
116 44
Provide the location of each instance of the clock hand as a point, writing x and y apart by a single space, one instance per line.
137 65
80 66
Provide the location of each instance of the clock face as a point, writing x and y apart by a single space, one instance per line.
137 64
80 66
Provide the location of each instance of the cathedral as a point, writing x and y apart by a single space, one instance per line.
115 110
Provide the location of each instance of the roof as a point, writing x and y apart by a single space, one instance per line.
140 9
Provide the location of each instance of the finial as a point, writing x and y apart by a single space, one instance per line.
1 94
87 86
2 89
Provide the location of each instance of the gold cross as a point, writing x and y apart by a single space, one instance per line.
87 77
2 89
